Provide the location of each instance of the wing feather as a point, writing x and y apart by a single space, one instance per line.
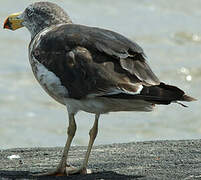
128 53
102 62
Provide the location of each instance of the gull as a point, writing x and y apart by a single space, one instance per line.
88 69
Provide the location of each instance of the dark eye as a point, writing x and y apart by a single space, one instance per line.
29 12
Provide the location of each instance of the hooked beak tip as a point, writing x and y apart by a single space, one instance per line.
7 24
13 22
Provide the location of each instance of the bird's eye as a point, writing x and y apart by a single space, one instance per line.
29 12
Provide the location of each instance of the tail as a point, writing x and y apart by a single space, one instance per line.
164 94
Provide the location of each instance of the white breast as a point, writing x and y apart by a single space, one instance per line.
47 79
50 81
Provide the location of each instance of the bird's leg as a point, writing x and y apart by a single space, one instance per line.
71 133
62 168
92 133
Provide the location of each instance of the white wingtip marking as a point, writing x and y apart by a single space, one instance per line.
113 91
140 87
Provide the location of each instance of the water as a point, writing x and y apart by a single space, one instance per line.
168 31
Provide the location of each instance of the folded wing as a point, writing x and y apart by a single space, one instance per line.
94 62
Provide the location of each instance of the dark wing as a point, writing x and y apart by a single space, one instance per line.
93 61
129 54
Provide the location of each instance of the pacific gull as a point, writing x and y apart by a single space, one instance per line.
88 69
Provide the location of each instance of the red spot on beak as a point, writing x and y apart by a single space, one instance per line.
7 24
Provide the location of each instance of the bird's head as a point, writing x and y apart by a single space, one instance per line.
36 17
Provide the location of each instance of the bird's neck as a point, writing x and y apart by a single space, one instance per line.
34 30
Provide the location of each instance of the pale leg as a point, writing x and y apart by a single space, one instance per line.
92 133
62 169
71 133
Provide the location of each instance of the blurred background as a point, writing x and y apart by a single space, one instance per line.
168 31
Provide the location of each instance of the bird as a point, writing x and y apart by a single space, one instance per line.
88 69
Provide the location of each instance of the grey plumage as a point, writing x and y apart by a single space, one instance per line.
41 15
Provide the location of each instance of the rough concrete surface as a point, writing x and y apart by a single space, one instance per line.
141 160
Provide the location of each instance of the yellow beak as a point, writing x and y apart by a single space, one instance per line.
14 21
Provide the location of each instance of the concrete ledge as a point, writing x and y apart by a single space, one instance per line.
141 160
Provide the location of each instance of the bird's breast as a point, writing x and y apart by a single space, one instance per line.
49 81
